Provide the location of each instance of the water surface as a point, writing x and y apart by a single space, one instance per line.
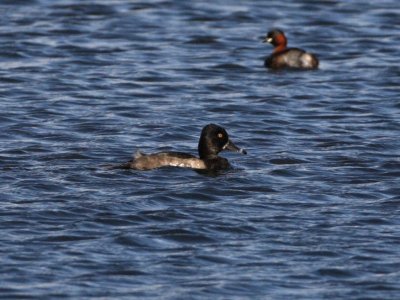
312 212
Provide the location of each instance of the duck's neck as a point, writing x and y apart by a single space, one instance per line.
205 151
280 43
279 48
207 155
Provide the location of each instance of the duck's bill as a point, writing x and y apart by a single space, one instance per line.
267 40
232 147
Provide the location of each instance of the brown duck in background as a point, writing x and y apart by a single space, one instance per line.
283 57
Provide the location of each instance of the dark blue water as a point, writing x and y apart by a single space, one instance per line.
312 212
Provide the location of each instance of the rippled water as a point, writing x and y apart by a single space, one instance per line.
312 212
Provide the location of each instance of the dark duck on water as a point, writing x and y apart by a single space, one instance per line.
213 139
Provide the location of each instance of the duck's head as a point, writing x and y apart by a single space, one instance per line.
276 37
214 139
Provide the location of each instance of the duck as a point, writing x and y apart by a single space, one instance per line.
283 57
213 140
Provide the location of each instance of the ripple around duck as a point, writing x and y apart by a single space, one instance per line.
286 161
334 272
183 236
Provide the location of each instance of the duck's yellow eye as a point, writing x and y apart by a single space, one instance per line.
220 135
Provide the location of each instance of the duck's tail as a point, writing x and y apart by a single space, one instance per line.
128 164
309 61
